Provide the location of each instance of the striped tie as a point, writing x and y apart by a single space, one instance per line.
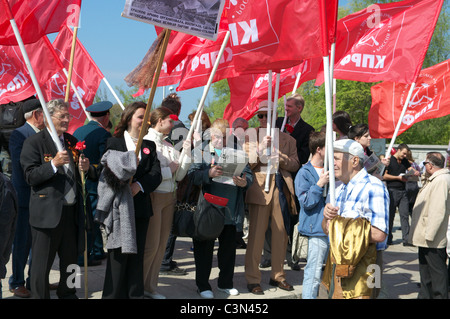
69 185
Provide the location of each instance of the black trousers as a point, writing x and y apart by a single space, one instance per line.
226 256
433 273
46 242
124 276
398 198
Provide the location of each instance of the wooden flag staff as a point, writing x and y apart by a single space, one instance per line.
72 55
144 127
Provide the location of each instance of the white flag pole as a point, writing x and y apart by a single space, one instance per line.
268 130
33 78
113 93
329 130
297 80
205 93
285 117
400 120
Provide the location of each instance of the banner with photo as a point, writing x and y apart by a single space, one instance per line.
196 17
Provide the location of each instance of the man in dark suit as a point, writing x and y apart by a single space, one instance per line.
94 134
296 126
56 210
22 239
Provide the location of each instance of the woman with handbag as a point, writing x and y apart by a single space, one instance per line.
163 198
202 174
124 271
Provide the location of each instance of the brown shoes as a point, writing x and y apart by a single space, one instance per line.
255 289
281 284
21 292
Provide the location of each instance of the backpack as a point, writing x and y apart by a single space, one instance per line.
11 117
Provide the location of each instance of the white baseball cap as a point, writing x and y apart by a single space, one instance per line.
349 146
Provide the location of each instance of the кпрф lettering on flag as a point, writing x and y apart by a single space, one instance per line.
36 18
86 77
273 34
385 42
430 99
15 80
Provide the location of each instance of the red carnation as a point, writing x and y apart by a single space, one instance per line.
80 146
173 117
289 128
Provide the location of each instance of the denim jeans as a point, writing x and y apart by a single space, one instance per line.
317 254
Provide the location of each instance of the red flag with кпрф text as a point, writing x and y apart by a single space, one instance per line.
273 34
15 81
430 99
385 42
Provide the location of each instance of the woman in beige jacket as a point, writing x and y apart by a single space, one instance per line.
429 228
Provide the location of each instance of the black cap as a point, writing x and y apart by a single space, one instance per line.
31 105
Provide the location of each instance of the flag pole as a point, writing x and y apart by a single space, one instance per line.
72 55
297 80
113 93
32 75
205 93
400 120
75 91
285 117
144 127
268 130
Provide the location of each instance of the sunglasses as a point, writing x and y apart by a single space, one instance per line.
261 116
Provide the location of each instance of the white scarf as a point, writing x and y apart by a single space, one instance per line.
130 143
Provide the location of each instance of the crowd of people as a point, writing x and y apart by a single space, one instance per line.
133 184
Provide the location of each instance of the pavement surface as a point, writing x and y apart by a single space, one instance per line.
400 276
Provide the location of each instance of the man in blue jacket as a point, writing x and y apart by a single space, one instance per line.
309 184
34 118
94 134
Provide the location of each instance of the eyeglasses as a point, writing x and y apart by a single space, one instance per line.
425 163
261 116
64 117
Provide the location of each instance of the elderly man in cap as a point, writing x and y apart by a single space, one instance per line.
273 205
359 195
94 134
34 118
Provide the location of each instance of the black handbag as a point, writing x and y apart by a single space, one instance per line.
183 218
209 216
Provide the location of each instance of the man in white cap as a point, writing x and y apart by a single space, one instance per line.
359 195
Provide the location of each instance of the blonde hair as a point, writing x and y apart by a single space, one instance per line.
220 125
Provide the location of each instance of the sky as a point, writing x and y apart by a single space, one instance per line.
118 45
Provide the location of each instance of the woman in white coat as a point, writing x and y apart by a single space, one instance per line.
163 198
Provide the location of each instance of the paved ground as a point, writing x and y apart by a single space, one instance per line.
401 276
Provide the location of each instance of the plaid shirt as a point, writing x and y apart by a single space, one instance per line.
365 196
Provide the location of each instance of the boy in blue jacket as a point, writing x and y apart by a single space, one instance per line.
309 185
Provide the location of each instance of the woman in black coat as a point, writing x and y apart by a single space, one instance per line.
124 272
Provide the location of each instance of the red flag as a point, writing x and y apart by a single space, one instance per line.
240 90
430 99
35 18
15 81
198 68
86 77
248 90
385 42
273 34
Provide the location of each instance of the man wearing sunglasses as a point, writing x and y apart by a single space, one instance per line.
273 205
429 228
